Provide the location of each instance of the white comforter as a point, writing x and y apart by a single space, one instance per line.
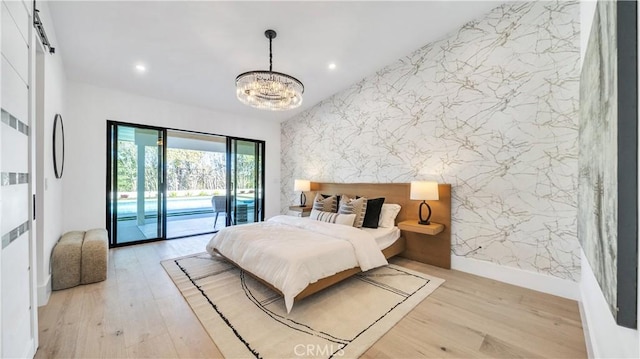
291 252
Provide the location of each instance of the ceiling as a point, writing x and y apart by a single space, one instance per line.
193 50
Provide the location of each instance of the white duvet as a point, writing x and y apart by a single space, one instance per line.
291 252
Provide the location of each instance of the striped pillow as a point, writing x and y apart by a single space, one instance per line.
350 205
330 217
325 203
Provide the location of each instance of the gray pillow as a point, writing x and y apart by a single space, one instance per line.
325 203
350 205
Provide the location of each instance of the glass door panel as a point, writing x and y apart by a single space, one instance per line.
232 149
136 200
246 176
196 183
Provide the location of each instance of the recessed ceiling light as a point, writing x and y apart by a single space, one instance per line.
332 66
141 68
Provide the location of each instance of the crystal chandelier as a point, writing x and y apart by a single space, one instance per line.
269 90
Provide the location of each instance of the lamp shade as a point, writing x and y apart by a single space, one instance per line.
422 190
302 185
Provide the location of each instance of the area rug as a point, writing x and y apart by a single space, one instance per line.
246 319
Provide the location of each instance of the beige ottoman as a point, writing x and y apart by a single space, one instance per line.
66 261
95 254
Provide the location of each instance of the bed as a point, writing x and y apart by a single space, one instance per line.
297 257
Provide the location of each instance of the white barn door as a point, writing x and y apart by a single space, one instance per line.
18 317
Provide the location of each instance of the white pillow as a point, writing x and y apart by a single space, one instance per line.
330 217
388 215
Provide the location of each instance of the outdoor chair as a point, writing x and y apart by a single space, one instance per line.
219 204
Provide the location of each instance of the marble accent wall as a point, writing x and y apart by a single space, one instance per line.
492 109
598 160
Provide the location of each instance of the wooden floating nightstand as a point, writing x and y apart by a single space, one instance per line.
298 211
413 226
427 243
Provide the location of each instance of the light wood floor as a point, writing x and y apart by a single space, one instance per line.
138 312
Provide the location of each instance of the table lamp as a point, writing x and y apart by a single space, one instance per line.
302 186
425 191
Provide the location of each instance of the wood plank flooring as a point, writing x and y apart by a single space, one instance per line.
138 313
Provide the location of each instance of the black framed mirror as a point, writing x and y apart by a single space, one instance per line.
58 146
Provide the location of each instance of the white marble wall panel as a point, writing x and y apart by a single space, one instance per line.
15 93
16 313
2 320
15 206
16 157
17 309
17 10
14 44
491 109
598 161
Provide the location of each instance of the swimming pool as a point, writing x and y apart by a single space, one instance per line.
175 205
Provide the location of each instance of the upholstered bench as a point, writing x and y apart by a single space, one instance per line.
79 258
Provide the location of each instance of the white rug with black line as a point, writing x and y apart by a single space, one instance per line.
246 319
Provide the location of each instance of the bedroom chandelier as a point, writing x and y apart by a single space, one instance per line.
269 90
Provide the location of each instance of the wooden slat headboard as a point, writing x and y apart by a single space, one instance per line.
393 193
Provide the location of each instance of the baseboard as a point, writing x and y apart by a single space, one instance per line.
44 292
522 278
585 330
30 351
604 338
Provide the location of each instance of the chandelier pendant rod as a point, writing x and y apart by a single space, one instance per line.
270 34
270 55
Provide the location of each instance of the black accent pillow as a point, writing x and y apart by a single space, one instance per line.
372 216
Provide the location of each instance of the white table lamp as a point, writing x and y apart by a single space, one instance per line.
302 186
425 191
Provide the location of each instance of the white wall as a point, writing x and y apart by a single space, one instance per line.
604 338
50 101
88 109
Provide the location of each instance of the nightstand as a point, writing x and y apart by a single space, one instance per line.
413 226
298 211
427 243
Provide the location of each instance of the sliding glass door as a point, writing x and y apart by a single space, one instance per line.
196 183
245 169
164 183
135 166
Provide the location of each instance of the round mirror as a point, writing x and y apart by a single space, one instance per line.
58 146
